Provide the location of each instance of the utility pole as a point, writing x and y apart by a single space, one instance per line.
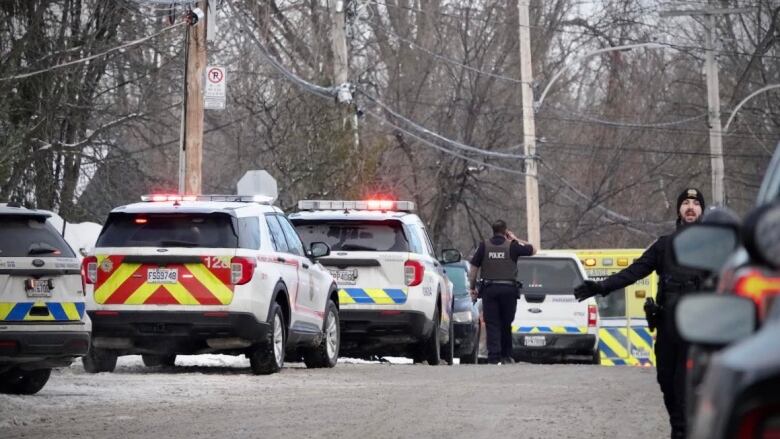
529 128
713 95
341 65
191 152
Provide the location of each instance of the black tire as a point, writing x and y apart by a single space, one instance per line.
159 360
596 357
473 356
431 349
268 357
326 354
99 360
23 382
448 350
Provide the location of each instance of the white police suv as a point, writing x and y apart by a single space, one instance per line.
42 319
394 295
209 274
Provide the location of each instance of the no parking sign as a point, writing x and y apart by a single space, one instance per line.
215 93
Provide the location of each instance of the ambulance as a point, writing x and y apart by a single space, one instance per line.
624 336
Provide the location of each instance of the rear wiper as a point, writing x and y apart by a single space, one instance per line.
356 247
176 243
42 250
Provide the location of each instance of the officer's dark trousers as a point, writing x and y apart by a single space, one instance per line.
499 303
670 358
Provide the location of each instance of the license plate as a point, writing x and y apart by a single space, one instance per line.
38 288
344 277
534 340
162 276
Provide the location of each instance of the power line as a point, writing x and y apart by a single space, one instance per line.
97 55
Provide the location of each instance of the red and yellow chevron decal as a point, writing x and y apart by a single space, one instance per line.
204 283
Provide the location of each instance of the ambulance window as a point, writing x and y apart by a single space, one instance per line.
293 241
277 235
27 237
548 275
613 304
210 230
249 233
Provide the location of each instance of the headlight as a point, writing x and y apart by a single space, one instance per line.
462 317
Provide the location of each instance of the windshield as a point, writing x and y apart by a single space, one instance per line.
31 237
211 230
354 235
459 278
548 275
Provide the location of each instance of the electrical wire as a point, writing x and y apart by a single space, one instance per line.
89 58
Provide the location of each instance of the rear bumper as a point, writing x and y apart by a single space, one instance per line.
465 337
27 346
174 332
556 344
367 331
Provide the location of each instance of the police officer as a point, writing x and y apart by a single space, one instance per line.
496 260
670 351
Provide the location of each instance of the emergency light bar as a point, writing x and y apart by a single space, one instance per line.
261 199
383 205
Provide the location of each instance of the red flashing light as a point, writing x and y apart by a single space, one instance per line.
761 289
413 273
141 220
168 197
380 204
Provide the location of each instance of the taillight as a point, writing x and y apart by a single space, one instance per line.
241 270
762 289
761 422
593 315
89 270
413 273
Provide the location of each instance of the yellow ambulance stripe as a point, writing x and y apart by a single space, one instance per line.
71 311
140 295
117 278
5 309
636 340
211 282
345 298
617 347
379 296
181 294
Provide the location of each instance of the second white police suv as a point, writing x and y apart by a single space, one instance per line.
208 274
395 299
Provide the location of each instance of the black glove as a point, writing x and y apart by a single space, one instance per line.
588 289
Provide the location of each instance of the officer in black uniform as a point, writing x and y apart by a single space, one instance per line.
496 259
670 351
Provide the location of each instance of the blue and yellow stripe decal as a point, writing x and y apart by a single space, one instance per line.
550 329
41 311
626 346
372 296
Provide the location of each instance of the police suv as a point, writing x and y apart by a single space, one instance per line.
209 274
549 321
395 297
42 319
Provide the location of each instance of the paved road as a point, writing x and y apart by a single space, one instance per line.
218 397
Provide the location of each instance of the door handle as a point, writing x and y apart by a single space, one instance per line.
280 259
305 265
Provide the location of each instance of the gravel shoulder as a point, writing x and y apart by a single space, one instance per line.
216 396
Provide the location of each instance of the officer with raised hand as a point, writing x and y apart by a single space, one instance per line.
670 351
496 261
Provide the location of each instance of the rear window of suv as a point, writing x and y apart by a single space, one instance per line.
211 230
548 275
354 235
31 237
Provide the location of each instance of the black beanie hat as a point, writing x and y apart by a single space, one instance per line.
690 193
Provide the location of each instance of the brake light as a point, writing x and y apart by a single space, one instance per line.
593 315
413 273
754 285
89 270
241 270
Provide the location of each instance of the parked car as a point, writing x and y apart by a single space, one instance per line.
465 313
42 319
549 322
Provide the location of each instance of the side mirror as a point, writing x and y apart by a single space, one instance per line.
705 246
715 319
450 255
761 234
84 251
318 250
